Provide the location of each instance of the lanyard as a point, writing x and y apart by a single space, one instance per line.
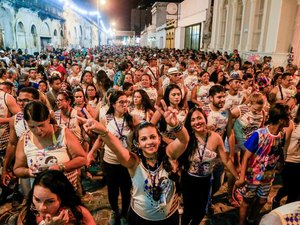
120 131
204 147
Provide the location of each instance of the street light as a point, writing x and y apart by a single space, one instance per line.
102 2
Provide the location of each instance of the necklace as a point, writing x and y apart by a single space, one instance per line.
68 116
156 190
201 153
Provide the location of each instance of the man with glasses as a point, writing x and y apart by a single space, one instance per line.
17 126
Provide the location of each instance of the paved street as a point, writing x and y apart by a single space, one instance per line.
97 202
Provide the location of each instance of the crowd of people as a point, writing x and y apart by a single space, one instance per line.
167 124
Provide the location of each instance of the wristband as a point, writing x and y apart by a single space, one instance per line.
104 133
62 167
177 128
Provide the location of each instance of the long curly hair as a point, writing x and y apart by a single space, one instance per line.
58 184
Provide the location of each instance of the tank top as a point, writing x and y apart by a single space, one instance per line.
232 101
293 151
202 94
4 113
20 124
142 201
120 129
218 119
140 114
285 93
51 155
202 161
152 93
72 123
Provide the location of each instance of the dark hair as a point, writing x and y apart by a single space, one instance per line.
277 112
146 102
214 78
166 98
67 95
192 145
58 184
31 109
44 82
79 89
215 90
31 90
123 66
53 78
8 85
162 156
284 75
111 110
97 93
84 73
246 76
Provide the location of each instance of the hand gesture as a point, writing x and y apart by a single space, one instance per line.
90 124
168 113
61 219
239 183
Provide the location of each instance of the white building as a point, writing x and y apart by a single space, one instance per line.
262 27
191 22
37 24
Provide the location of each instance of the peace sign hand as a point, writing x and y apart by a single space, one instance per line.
168 113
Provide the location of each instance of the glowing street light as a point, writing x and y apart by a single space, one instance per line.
102 2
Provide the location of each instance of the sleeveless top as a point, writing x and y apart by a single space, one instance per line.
51 155
140 114
4 113
152 93
218 119
142 201
120 129
246 124
202 94
72 123
20 124
294 147
285 93
232 101
202 161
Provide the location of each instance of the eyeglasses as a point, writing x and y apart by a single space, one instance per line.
25 100
122 102
60 100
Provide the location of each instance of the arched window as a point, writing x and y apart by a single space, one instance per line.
20 27
34 35
55 32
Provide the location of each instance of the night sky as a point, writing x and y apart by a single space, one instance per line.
115 10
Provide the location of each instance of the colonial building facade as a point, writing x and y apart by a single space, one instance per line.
37 24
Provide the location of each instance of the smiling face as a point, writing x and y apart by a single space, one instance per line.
148 141
45 201
198 122
146 82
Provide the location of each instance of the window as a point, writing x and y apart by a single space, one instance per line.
192 37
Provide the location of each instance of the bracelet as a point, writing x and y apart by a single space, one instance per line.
177 128
104 133
62 167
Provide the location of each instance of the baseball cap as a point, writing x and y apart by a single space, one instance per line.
234 76
1 51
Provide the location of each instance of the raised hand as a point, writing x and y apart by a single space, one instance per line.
168 113
90 124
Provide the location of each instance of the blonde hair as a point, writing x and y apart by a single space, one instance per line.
256 98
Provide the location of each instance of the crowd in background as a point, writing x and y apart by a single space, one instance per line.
166 123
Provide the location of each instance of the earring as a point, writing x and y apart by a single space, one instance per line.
34 210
